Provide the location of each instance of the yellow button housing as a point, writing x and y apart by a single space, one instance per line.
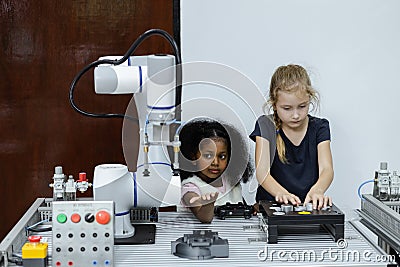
34 250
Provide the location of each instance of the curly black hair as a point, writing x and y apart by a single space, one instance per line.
239 167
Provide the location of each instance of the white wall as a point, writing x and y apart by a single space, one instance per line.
351 49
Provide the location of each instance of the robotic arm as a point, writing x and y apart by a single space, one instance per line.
155 82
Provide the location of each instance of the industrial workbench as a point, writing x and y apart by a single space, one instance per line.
247 246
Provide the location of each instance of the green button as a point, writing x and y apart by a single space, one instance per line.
61 218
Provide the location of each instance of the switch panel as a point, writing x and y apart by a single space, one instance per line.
83 233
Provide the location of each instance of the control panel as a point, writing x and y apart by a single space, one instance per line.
280 215
83 233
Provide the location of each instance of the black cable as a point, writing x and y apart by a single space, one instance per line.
38 230
144 36
16 261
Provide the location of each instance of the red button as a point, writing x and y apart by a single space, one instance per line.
75 218
103 217
34 238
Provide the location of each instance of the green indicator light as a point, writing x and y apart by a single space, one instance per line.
61 218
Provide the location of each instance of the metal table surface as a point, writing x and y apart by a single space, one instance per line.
246 245
315 249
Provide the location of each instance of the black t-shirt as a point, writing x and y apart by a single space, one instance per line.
301 171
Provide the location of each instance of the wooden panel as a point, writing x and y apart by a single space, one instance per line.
43 44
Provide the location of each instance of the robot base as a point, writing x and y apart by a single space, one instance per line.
145 233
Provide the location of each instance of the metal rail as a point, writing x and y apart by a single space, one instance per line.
15 239
383 218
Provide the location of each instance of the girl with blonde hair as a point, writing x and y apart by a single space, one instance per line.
301 165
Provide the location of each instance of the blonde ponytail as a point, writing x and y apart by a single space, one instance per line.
280 144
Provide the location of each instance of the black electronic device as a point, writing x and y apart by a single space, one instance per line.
282 215
233 210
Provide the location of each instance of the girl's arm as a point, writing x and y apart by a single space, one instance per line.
265 179
325 165
201 206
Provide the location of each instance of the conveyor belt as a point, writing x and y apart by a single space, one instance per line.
314 248
383 218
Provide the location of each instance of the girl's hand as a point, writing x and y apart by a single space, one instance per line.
286 198
318 199
204 199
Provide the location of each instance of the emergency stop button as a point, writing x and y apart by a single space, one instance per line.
103 217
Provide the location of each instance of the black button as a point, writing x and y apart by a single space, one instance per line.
89 217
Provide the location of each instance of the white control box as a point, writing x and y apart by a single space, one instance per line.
83 233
